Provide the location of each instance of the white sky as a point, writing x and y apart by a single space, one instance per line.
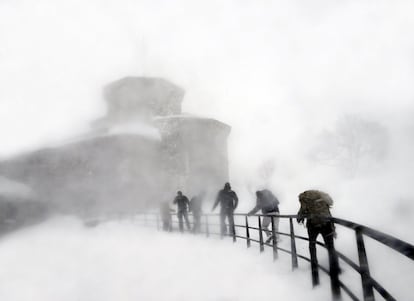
257 65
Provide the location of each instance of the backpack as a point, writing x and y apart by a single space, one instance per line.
314 205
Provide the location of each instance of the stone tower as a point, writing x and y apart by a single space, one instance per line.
138 154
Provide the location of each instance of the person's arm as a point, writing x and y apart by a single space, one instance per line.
175 200
236 200
216 202
301 214
254 210
187 202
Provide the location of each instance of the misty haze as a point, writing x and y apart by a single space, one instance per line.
194 150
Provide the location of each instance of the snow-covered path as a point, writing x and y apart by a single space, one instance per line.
63 260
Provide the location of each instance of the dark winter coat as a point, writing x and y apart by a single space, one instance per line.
228 200
196 205
267 202
182 202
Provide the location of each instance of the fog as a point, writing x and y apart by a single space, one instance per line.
103 263
279 73
318 94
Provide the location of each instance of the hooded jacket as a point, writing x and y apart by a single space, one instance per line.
266 201
228 200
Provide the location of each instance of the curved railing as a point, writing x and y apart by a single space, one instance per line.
242 222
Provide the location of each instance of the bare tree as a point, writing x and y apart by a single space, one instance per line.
352 140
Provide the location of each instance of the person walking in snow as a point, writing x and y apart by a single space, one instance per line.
165 212
314 207
269 204
228 203
182 210
196 205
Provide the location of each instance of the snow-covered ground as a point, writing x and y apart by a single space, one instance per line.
63 260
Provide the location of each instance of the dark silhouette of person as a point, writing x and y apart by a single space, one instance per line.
269 204
228 203
196 205
314 208
182 210
165 212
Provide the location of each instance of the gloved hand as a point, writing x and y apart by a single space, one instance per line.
300 220
333 230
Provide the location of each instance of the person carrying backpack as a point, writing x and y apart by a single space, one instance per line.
165 212
315 208
269 204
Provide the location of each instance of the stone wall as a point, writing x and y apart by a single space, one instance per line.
195 152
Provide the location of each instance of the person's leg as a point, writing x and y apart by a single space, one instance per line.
275 227
266 220
313 234
223 227
187 222
180 220
328 236
230 217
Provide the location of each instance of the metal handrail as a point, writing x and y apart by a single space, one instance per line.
369 284
388 240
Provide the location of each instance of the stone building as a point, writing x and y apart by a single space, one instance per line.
141 152
19 206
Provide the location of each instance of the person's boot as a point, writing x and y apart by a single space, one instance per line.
315 277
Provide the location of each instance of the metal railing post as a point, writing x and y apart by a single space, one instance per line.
363 264
247 233
171 229
275 255
260 234
233 230
207 229
337 287
293 246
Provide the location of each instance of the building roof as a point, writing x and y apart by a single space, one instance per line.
158 94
